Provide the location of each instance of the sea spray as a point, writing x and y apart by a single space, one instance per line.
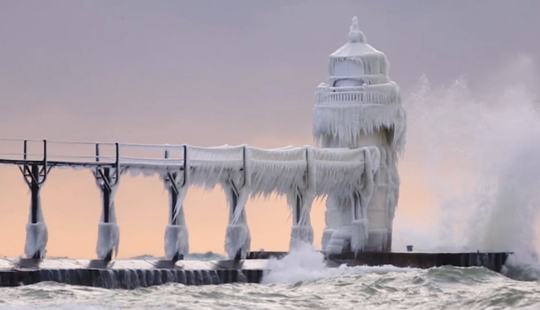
304 263
479 154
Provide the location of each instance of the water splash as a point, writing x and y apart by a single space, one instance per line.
304 263
478 153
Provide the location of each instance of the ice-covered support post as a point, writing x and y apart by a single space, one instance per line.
35 174
237 190
107 178
300 200
361 199
176 232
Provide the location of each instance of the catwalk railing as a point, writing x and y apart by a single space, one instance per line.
299 173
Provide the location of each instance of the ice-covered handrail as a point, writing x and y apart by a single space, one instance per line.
271 170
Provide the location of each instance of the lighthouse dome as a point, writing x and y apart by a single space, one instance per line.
357 63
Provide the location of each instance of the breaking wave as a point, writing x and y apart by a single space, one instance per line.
192 256
474 154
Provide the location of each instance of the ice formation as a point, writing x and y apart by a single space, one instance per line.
301 174
176 232
108 230
360 106
36 235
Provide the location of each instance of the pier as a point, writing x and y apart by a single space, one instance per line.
175 165
132 274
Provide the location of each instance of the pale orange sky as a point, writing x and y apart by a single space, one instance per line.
212 73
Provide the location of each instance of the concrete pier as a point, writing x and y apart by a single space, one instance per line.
491 260
128 274
131 274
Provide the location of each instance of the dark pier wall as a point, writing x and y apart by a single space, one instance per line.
131 274
129 278
492 261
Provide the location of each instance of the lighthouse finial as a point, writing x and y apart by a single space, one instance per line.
355 35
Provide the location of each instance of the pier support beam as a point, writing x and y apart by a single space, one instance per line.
300 200
107 178
347 213
35 175
302 232
238 237
176 232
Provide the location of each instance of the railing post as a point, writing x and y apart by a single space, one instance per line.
106 191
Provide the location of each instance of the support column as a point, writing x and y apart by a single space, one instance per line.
176 232
238 237
302 232
107 178
301 200
35 174
362 199
347 214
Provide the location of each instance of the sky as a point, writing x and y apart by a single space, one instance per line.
211 73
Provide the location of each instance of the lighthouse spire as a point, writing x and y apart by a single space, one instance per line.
355 35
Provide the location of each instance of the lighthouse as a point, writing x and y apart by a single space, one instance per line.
360 106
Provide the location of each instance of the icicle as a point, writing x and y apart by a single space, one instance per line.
237 189
300 199
347 122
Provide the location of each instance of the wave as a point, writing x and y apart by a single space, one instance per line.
193 256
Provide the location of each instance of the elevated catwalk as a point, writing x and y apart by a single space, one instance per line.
131 274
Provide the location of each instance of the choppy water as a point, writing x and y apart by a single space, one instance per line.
300 281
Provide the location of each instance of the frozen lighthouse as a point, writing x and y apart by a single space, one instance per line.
360 106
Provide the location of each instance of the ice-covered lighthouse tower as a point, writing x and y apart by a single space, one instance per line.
360 106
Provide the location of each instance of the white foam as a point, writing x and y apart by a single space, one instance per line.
304 263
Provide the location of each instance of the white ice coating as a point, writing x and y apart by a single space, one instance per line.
176 232
244 172
298 173
36 235
360 106
108 233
